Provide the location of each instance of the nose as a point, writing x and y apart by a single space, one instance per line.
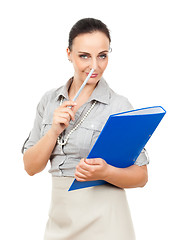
94 63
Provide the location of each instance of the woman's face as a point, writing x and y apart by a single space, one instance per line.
89 50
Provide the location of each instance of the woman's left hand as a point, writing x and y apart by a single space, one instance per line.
91 169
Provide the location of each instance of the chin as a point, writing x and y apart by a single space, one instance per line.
93 80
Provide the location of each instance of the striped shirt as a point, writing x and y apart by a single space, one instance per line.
64 160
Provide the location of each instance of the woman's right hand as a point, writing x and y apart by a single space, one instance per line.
62 116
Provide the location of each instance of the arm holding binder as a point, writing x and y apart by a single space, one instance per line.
129 132
97 168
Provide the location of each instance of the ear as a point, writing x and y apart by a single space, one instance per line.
68 54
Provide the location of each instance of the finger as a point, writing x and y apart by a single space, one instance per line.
64 121
93 161
69 103
68 111
63 115
81 170
83 165
61 118
80 177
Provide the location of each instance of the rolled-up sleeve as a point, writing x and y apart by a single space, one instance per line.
34 135
143 158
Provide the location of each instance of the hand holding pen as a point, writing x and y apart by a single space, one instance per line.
64 113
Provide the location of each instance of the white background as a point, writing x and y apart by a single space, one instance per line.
144 66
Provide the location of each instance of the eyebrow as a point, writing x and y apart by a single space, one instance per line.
89 53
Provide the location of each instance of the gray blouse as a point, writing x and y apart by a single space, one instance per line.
64 161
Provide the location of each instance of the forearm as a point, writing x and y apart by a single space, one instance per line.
131 177
36 158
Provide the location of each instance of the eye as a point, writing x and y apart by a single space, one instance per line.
102 56
83 56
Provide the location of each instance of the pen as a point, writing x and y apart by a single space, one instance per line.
84 83
82 86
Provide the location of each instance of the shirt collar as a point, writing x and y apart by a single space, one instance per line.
63 91
101 92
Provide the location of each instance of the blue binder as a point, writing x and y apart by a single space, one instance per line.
123 138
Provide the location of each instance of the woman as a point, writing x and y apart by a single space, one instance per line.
66 135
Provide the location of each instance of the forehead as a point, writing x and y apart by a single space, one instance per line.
91 42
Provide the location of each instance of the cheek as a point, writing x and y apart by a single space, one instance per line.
79 65
104 65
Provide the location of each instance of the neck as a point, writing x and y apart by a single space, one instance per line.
86 92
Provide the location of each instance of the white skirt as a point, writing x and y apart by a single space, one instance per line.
95 213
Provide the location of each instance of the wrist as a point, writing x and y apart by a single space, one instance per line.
107 173
52 134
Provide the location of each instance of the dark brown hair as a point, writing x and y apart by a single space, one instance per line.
87 25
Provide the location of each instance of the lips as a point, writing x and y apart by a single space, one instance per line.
93 75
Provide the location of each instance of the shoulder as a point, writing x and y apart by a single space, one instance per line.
50 95
48 101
